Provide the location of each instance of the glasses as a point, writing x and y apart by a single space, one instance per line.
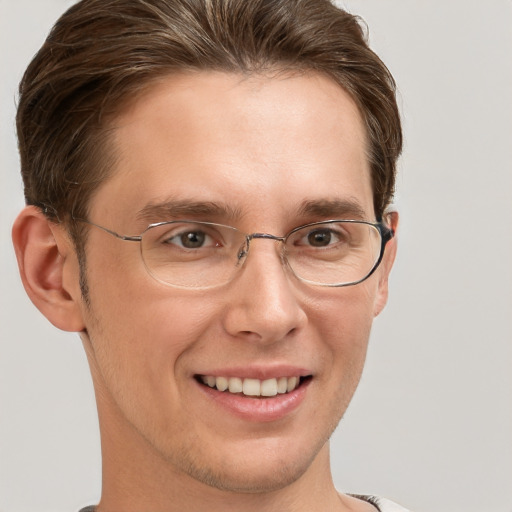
199 255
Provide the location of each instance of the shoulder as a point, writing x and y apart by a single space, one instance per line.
382 504
386 505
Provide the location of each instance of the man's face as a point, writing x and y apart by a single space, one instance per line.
259 149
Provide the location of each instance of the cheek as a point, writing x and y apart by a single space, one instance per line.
150 330
138 346
343 319
139 329
344 315
134 308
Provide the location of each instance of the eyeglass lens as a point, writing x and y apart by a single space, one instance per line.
202 254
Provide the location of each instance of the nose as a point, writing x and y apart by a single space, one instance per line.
263 304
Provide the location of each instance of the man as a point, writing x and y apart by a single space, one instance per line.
207 185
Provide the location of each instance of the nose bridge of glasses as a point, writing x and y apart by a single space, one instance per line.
266 236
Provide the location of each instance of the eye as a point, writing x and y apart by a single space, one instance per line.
191 239
320 237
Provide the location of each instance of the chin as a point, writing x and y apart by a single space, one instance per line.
261 468
249 480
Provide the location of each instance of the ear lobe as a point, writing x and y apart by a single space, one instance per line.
386 265
47 264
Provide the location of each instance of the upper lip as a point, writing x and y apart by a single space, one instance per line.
261 372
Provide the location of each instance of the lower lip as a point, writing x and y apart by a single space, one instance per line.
258 409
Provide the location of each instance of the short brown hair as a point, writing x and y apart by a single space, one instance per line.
101 53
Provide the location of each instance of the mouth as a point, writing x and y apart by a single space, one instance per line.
254 388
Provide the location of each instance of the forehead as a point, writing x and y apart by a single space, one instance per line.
256 143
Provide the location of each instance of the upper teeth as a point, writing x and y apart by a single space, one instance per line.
252 387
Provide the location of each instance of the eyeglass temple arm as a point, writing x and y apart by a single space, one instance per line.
137 238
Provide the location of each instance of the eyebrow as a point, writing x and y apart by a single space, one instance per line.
156 212
176 209
334 209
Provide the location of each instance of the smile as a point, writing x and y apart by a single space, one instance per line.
253 387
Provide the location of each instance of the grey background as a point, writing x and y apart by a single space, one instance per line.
431 424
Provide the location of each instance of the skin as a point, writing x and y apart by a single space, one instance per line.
261 145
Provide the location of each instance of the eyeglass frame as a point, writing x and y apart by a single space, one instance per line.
386 234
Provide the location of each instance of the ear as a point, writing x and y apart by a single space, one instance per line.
386 265
49 268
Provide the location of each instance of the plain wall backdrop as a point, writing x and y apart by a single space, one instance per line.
431 424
